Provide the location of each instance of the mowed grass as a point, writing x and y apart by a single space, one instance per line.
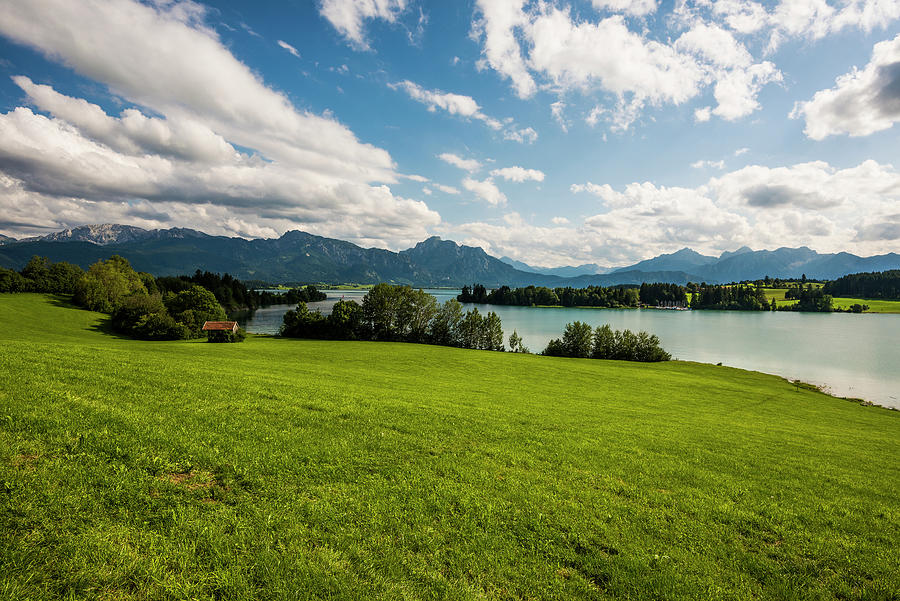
286 469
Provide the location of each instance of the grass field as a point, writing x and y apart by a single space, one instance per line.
286 469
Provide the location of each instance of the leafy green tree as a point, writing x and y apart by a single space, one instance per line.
516 344
345 320
64 277
380 311
470 330
555 348
12 281
303 323
106 283
577 339
491 338
37 272
604 343
445 327
193 307
415 311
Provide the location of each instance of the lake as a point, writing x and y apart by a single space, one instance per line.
854 355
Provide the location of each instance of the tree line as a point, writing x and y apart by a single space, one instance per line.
735 297
579 340
41 275
531 296
139 304
884 285
399 314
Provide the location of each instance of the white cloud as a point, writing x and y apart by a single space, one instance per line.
703 163
526 135
556 110
464 106
447 189
470 165
518 174
637 8
603 191
485 190
289 48
862 102
741 151
497 26
416 178
559 221
349 16
702 115
542 45
812 204
306 170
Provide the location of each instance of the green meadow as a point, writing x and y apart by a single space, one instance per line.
292 469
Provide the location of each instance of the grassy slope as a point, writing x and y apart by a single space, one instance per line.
285 469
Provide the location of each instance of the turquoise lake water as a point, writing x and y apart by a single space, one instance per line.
855 355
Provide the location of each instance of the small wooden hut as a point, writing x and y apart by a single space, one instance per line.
220 331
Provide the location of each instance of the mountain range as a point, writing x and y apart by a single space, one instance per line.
297 257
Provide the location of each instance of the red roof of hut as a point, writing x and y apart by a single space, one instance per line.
220 326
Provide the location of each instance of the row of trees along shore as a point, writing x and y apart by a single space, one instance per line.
743 296
579 340
591 296
404 314
399 314
144 306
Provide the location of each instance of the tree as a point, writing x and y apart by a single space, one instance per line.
12 281
106 283
345 320
491 338
604 343
193 307
516 345
470 329
555 348
445 327
303 323
577 339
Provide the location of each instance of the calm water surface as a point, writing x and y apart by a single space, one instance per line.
856 355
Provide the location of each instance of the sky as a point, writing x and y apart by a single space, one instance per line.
556 132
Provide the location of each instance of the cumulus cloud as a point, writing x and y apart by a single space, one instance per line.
289 48
545 45
810 19
348 17
637 8
486 190
466 107
701 164
518 174
447 189
470 165
811 204
176 140
862 102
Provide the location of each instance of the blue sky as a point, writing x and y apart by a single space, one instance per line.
555 132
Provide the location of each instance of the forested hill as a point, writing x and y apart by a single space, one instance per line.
299 257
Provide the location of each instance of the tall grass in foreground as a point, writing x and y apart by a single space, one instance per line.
292 469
